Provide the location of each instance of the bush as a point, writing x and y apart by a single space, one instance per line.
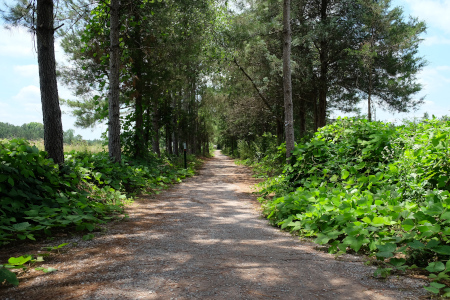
373 188
36 195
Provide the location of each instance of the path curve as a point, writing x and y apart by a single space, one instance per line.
205 239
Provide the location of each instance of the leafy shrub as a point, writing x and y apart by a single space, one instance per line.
372 188
36 195
263 155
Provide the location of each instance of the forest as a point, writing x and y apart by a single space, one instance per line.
258 79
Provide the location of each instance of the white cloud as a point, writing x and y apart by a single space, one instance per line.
443 68
16 42
27 71
434 12
29 98
435 40
434 78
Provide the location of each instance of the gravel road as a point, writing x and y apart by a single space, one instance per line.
204 239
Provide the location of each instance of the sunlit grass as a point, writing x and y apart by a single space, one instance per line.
82 146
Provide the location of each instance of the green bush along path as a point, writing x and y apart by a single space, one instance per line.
372 188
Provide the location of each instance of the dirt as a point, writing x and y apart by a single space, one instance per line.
202 239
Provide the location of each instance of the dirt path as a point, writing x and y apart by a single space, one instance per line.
204 239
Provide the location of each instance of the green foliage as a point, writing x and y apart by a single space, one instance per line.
262 154
37 195
30 131
8 276
373 188
24 262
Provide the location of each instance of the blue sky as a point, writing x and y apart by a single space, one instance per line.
19 81
435 77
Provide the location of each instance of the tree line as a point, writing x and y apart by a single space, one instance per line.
163 74
344 52
34 131
30 131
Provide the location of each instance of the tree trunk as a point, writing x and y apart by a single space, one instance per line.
279 132
176 128
287 82
139 86
302 116
114 82
369 104
168 140
51 112
369 110
155 142
322 107
148 122
323 84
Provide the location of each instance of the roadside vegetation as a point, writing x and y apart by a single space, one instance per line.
38 197
367 187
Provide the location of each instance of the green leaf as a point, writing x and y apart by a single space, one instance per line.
437 285
378 221
88 237
9 276
445 216
321 239
416 245
397 262
344 174
46 270
3 177
62 245
431 289
384 254
19 261
408 224
11 181
435 267
21 226
389 247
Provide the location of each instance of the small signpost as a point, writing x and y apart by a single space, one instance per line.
185 156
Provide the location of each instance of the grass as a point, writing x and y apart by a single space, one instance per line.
82 146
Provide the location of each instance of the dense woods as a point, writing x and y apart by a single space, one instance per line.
259 79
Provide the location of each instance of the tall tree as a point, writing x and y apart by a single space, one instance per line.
23 15
287 81
114 83
387 58
53 130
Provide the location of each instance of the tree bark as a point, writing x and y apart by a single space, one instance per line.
148 123
369 104
302 116
280 135
287 82
139 85
51 112
323 80
176 128
114 82
155 139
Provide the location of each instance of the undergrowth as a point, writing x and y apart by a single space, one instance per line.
372 188
37 196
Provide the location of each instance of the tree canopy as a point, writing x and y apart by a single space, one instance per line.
197 72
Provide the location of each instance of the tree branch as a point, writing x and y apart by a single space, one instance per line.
257 89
